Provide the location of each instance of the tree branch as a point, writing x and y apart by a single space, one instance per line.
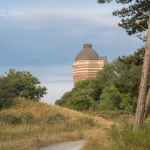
142 27
144 13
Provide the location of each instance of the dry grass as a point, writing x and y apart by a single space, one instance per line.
120 136
51 124
98 141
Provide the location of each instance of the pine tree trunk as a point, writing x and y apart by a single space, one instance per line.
139 116
147 104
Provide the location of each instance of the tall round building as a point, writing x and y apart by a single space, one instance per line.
87 63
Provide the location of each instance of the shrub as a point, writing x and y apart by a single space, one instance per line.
81 103
55 118
9 117
89 121
124 138
112 114
27 117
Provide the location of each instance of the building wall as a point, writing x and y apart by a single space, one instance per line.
86 69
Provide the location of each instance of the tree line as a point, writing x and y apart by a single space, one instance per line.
115 87
19 84
135 18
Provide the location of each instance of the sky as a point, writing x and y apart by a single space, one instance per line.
44 37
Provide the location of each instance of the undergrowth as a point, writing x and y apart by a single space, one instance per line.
125 139
121 137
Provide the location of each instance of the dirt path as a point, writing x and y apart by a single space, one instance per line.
76 145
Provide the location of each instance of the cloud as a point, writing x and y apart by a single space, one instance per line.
44 37
37 18
52 32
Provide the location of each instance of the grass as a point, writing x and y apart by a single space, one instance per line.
31 125
121 137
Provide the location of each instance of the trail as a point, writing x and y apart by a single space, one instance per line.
75 145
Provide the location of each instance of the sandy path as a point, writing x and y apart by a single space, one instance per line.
76 145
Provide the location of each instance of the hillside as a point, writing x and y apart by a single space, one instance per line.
31 125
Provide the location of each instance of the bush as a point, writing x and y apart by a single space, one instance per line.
125 139
27 117
55 118
81 103
10 118
89 121
112 114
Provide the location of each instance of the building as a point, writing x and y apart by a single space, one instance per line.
87 63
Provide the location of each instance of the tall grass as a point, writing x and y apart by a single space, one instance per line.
124 138
121 137
31 125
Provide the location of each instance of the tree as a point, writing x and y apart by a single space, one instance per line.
87 87
64 99
110 98
132 18
20 84
120 74
135 19
82 96
143 102
125 77
136 59
6 90
80 103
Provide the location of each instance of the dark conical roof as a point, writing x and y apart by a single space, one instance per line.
87 53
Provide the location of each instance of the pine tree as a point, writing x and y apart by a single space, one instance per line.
143 97
132 18
136 18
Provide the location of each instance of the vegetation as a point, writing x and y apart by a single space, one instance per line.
135 19
31 125
121 137
112 95
115 87
19 84
132 18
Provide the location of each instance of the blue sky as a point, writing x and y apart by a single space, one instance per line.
44 37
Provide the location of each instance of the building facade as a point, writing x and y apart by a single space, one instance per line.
87 63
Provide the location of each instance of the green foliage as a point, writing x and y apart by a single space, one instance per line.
19 84
132 19
110 98
82 96
87 87
126 103
115 87
119 74
106 75
64 99
6 90
80 103
124 138
137 58
120 83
